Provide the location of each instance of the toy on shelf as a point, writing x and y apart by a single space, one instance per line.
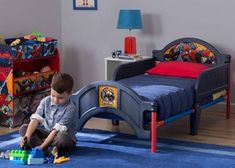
45 69
37 34
2 40
30 37
15 42
19 73
39 37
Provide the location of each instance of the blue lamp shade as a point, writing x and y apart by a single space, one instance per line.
129 19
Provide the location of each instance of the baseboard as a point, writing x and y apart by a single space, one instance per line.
221 106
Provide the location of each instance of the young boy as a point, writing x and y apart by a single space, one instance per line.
57 114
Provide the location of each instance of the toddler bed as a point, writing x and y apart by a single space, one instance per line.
183 78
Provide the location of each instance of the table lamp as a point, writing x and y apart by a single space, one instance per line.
129 19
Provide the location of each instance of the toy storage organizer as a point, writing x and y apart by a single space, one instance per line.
26 71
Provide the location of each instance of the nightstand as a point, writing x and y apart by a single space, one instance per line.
112 63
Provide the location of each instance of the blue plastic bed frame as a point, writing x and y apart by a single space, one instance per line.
113 100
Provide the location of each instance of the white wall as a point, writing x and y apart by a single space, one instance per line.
21 17
90 36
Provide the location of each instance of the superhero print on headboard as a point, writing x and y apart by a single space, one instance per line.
190 52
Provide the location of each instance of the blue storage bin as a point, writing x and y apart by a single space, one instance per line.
49 47
28 49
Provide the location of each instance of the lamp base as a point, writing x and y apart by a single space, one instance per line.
130 45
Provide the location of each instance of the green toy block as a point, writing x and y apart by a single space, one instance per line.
19 156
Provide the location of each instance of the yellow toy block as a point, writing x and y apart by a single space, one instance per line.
61 159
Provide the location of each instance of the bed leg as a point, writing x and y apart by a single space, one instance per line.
115 122
153 132
195 121
228 100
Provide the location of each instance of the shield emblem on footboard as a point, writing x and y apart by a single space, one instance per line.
108 96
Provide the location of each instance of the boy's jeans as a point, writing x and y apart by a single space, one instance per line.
63 141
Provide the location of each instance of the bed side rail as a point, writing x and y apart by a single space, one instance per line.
133 68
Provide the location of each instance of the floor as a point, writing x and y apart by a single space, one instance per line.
214 128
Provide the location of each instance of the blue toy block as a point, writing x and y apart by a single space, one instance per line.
37 153
32 160
36 156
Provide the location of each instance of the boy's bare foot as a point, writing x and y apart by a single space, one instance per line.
55 152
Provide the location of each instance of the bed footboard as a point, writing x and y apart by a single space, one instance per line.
212 80
109 99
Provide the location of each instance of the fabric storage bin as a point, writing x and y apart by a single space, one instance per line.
49 47
17 51
32 82
34 49
25 84
26 49
44 79
24 106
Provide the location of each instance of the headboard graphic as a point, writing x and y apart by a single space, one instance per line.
190 50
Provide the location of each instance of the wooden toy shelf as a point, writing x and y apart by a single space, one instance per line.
38 74
23 83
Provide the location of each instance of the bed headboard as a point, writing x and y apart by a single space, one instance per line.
191 50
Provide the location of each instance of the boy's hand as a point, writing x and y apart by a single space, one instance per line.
23 141
39 147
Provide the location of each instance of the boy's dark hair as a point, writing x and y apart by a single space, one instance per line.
62 82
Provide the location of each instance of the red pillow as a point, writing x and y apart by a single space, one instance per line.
178 69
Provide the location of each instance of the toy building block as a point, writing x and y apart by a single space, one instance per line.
37 153
61 159
32 160
19 156
36 156
57 159
5 155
